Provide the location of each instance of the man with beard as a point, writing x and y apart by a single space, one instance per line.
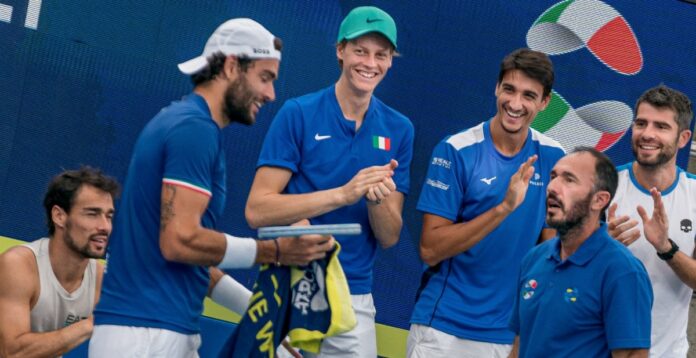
173 198
483 202
48 288
581 294
340 155
663 195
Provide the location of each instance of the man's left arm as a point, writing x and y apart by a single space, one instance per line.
656 230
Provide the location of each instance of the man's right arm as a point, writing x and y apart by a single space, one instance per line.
18 283
268 205
442 238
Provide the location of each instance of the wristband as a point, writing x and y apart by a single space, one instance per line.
239 253
231 294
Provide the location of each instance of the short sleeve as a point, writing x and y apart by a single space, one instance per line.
402 173
627 302
281 147
442 192
191 151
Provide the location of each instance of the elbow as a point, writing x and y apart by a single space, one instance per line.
389 241
173 246
428 256
252 216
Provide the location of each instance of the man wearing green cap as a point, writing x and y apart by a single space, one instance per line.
340 155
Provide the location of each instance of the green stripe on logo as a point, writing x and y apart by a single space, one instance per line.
553 113
552 14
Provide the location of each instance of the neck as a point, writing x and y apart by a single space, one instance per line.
353 103
505 142
575 237
213 93
68 266
661 177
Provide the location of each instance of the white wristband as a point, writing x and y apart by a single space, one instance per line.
239 253
231 294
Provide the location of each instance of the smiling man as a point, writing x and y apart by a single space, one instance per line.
483 203
48 288
654 212
173 199
340 155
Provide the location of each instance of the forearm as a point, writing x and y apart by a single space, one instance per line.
285 209
49 344
515 351
629 353
385 221
445 241
685 268
205 247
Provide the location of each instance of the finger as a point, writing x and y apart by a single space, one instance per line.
389 182
393 164
659 207
303 222
612 211
630 237
643 214
371 194
382 191
615 222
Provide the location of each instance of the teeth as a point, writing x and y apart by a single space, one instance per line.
514 115
367 74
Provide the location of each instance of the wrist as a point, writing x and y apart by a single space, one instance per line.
266 252
669 254
239 253
664 247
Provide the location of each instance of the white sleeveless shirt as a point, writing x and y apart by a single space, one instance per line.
55 307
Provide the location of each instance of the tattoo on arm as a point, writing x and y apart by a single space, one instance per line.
167 209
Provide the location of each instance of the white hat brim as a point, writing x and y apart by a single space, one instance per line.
193 65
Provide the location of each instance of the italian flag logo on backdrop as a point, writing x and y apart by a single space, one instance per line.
382 143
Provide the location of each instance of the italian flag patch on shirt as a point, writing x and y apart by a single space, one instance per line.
382 143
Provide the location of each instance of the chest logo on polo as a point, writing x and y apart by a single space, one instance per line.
488 181
379 142
318 137
685 225
571 294
536 180
529 288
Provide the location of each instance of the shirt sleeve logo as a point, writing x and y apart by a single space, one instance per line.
528 289
437 184
440 162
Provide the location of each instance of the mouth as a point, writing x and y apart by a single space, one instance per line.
366 74
99 240
553 203
515 115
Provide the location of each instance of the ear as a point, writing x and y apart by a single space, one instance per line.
58 216
545 102
230 69
684 138
340 48
600 200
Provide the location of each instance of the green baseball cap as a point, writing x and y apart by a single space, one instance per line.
366 19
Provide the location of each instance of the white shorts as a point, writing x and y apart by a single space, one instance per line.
361 341
427 342
110 341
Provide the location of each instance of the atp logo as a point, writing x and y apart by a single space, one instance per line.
573 25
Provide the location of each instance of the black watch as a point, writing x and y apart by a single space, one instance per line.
669 254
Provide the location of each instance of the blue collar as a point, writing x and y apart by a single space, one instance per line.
647 191
200 102
587 250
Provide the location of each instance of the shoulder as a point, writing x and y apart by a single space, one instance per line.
391 115
546 143
619 259
18 266
466 139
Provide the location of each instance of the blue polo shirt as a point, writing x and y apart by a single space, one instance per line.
181 146
310 137
597 300
470 295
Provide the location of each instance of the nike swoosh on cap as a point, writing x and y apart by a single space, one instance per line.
369 21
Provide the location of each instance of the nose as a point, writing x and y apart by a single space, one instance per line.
269 93
104 224
551 188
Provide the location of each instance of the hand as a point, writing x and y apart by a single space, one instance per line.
622 228
656 227
517 189
381 191
299 251
361 183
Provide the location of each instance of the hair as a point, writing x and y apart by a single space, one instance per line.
663 97
606 177
344 42
536 65
216 62
63 189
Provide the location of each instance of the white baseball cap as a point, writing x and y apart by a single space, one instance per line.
239 37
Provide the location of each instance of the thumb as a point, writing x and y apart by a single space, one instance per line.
303 222
612 211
